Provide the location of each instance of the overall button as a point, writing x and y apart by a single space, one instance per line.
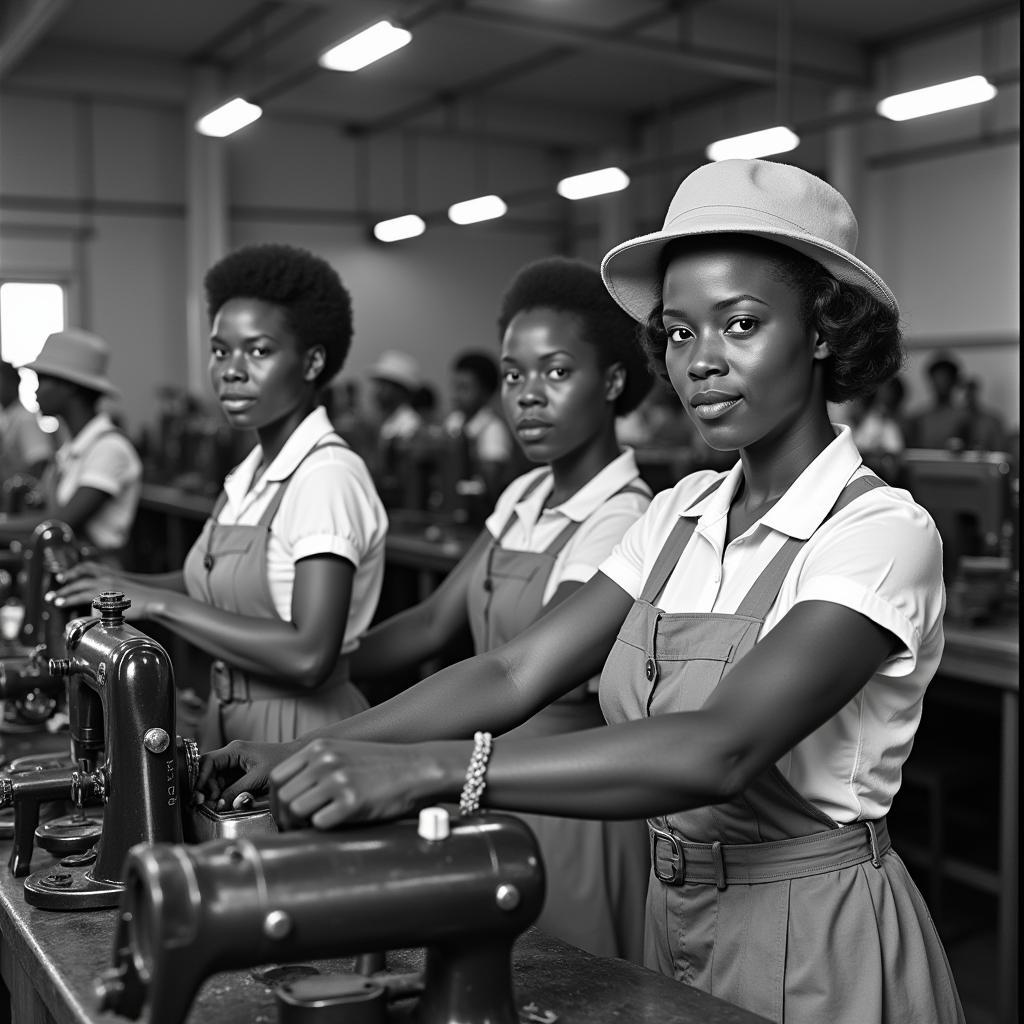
651 670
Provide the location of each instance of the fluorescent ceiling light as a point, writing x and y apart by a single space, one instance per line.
473 210
228 118
936 98
754 144
365 47
397 228
593 183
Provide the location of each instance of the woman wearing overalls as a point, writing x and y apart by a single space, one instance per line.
766 636
570 365
287 571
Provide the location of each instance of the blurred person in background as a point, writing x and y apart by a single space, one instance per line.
95 478
490 451
940 423
983 428
25 448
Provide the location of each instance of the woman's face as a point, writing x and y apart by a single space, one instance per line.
259 371
556 396
739 355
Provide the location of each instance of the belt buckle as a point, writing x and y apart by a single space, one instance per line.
677 873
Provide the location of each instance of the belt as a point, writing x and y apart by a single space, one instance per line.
677 862
232 685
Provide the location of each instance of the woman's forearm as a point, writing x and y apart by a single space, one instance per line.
634 770
399 644
266 647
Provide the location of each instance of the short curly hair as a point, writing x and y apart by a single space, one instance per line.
572 286
482 367
316 303
863 333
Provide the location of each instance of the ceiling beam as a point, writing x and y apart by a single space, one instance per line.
21 27
693 57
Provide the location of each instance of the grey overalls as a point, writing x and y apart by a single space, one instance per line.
227 568
764 900
597 871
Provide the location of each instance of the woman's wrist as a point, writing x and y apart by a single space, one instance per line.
446 773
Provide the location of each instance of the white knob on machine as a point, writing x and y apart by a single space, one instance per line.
434 824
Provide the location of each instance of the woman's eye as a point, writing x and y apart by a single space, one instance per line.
511 376
678 334
217 354
559 372
743 325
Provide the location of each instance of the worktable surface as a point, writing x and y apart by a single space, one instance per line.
53 958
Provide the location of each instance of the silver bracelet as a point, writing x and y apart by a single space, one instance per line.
476 775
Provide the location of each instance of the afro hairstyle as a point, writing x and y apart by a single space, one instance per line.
317 305
572 286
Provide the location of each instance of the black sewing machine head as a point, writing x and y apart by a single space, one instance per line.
466 895
25 676
121 709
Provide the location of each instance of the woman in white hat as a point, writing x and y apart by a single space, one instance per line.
765 636
286 573
94 480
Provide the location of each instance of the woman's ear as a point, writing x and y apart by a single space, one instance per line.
315 361
822 348
614 381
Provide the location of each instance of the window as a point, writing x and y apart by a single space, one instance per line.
29 311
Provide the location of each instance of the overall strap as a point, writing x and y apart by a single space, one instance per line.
672 549
766 587
275 502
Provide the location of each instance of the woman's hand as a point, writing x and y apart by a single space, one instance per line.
82 582
230 773
333 782
92 579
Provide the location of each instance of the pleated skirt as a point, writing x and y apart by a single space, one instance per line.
853 946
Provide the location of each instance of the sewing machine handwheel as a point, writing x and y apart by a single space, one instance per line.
70 834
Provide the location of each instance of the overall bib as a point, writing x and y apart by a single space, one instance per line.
597 871
227 568
764 900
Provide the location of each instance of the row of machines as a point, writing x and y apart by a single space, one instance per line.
198 892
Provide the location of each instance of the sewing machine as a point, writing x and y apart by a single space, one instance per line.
464 889
25 676
126 756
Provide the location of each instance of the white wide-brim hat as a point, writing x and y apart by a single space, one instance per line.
77 356
782 203
399 368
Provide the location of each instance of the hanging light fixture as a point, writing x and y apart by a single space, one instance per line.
934 99
399 228
780 138
228 118
472 211
754 144
365 47
593 183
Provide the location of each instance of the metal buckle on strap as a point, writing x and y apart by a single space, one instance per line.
876 860
222 682
677 872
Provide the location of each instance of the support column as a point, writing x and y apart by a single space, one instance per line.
615 210
844 148
206 218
